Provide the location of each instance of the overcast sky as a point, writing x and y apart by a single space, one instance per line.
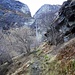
34 5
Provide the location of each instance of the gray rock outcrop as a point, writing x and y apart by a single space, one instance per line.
14 16
44 17
63 29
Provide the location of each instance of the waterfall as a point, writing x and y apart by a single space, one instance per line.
38 35
36 32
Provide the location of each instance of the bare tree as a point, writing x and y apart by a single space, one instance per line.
24 38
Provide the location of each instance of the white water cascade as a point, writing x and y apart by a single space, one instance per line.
38 35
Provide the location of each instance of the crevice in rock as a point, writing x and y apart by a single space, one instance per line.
72 18
73 30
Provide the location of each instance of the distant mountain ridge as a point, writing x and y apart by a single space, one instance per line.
44 17
13 14
46 8
63 29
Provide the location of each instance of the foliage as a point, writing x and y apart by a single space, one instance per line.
63 62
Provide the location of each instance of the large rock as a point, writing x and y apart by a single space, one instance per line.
64 26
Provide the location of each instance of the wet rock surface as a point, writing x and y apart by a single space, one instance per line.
46 8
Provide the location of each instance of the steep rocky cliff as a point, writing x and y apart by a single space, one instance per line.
44 17
58 59
15 21
63 28
13 14
46 8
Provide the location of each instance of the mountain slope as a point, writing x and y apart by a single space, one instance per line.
14 14
15 31
46 8
44 17
63 28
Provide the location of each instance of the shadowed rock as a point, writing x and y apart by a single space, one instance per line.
64 25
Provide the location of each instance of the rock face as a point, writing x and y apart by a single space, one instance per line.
4 57
15 18
15 6
63 29
44 17
13 14
46 8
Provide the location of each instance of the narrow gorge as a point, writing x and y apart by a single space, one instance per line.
40 45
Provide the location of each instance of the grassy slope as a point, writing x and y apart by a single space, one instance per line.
52 60
58 60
